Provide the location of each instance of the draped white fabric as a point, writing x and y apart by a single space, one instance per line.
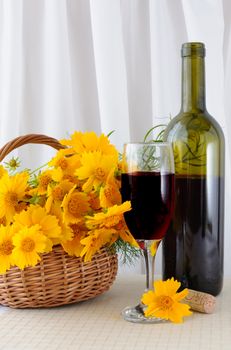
107 65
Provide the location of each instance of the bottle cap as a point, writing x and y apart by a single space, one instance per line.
193 49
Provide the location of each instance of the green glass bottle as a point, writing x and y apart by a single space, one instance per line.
193 248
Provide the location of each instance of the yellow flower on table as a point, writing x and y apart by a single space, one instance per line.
90 142
164 301
6 247
28 242
95 169
12 191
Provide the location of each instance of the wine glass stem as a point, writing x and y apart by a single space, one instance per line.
149 265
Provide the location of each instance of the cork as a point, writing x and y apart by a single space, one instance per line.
201 302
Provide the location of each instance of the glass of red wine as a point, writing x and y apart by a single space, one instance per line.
148 182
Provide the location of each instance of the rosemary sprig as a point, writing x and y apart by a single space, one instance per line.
127 253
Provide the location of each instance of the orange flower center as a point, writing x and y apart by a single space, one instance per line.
44 180
28 245
11 199
109 192
69 178
94 201
62 163
20 206
75 228
3 221
100 173
58 193
166 302
76 206
6 248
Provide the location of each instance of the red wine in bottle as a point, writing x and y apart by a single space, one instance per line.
193 247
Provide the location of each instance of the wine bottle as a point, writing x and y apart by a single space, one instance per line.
193 248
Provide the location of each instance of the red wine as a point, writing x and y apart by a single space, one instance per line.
193 246
151 195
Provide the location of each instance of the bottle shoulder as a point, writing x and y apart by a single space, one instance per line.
199 122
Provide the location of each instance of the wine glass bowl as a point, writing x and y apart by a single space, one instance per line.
148 182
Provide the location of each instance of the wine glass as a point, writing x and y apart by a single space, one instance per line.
148 182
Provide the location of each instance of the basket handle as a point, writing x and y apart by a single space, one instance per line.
30 138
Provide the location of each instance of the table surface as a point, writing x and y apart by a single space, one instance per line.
97 324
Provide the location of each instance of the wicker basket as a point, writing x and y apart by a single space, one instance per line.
58 278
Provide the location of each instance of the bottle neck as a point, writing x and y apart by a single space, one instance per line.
193 84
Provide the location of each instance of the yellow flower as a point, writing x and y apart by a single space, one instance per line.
96 240
94 200
56 193
28 243
66 163
95 169
164 301
73 246
124 233
3 221
66 231
109 193
109 219
75 205
44 179
90 142
2 171
36 215
6 247
12 191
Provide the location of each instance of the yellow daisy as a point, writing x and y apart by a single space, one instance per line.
109 194
66 163
6 248
3 221
66 231
35 214
44 179
111 218
2 171
94 241
75 205
95 169
56 193
90 142
164 301
94 202
12 191
73 246
28 242
124 233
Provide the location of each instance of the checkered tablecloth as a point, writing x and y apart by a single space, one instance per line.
97 324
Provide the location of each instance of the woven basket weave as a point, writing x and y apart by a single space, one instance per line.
58 279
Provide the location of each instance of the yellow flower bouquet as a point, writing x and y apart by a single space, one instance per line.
74 203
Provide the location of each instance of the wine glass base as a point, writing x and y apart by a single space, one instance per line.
136 314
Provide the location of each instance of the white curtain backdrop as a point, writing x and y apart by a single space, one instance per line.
108 65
